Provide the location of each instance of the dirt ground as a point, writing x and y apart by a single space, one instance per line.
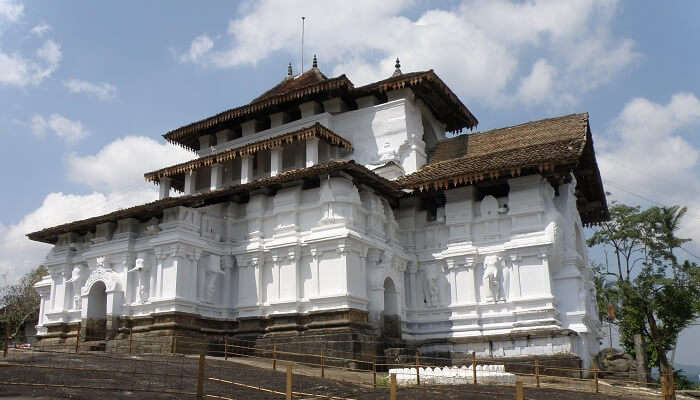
175 377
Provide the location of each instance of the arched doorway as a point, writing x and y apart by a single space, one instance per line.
392 321
96 323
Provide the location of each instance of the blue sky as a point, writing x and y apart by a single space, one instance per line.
87 88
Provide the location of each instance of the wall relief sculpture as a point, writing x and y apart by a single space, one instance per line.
496 278
431 286
104 274
141 292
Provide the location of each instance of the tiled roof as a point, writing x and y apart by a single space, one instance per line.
313 85
292 83
427 86
146 211
188 135
531 144
316 130
549 146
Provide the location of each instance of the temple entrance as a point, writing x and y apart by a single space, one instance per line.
96 323
392 320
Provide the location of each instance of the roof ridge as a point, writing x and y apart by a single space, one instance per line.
525 123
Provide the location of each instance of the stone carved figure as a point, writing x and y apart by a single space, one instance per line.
75 287
492 276
431 288
616 363
141 292
211 274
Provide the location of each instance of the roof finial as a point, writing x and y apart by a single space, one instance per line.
315 62
289 70
397 71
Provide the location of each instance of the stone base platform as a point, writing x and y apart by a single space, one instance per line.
343 334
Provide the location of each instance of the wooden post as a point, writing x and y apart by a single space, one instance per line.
374 372
200 377
6 342
323 362
595 378
392 388
474 367
519 392
417 368
131 346
77 340
274 357
225 347
173 344
537 372
288 391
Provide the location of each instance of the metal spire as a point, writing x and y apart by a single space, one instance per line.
289 70
397 71
315 62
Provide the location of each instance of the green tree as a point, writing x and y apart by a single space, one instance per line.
19 303
653 293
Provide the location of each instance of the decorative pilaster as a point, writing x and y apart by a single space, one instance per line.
246 168
311 151
515 290
276 161
190 182
217 176
164 189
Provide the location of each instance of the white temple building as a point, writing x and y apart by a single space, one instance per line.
321 209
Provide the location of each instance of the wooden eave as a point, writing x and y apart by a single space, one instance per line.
147 211
188 136
316 130
434 93
427 86
555 155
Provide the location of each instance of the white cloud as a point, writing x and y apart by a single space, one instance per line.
40 30
103 90
647 152
61 126
479 47
198 48
11 10
17 70
19 254
116 175
120 165
536 86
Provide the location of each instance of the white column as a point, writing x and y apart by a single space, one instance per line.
217 176
334 105
412 270
514 291
276 161
190 182
221 137
204 142
309 108
165 184
311 151
248 127
246 168
277 119
548 277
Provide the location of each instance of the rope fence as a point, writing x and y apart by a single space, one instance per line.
371 370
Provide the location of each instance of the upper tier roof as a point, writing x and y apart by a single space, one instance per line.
313 85
291 83
552 147
315 130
